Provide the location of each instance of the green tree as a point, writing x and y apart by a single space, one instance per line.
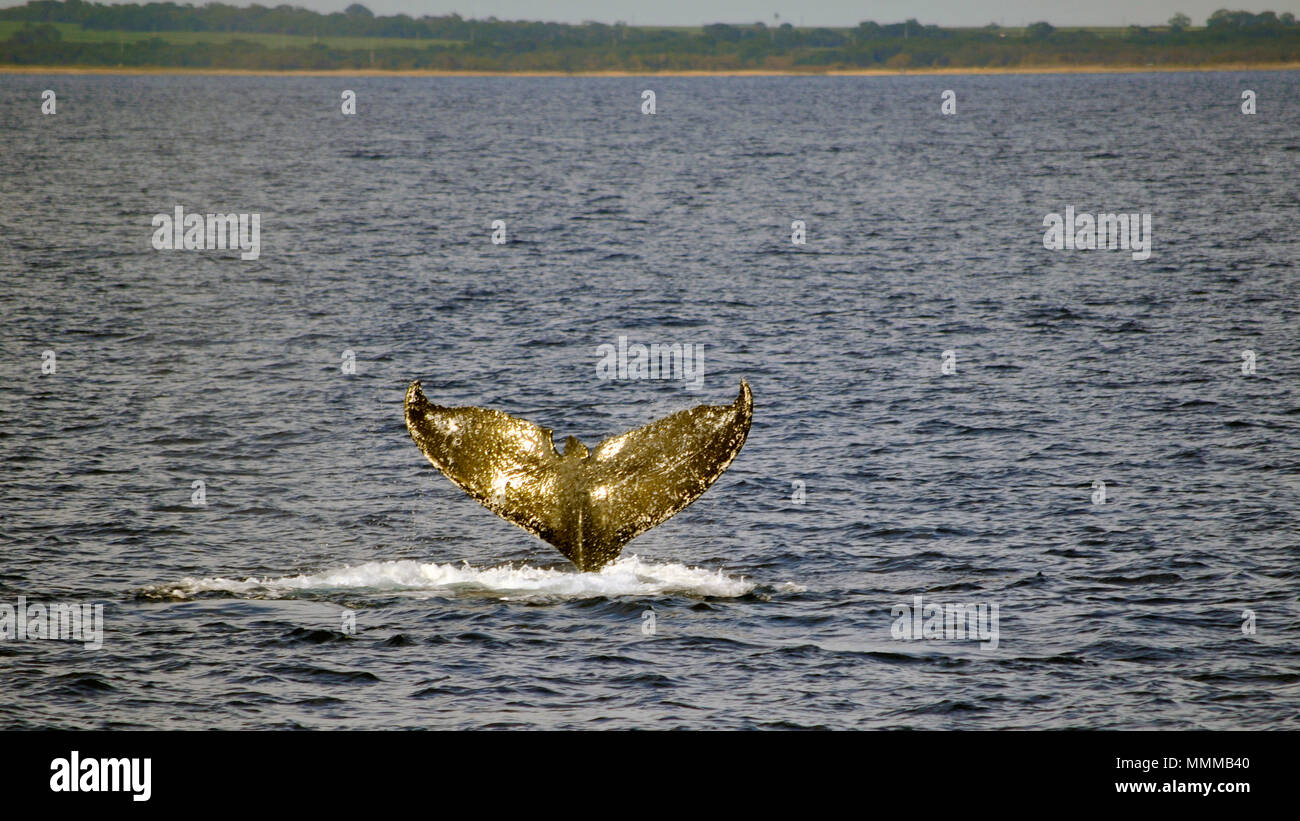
866 30
1179 21
1039 31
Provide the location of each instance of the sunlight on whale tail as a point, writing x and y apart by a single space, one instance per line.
588 504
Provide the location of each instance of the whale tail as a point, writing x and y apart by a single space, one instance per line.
588 504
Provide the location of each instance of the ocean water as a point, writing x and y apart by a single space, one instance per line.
1100 468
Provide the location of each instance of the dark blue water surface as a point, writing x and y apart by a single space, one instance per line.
925 235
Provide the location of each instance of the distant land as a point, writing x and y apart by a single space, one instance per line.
219 38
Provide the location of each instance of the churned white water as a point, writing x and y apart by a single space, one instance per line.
629 576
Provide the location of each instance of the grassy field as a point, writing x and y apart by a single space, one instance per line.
74 33
1100 31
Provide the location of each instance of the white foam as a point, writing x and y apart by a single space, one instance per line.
629 576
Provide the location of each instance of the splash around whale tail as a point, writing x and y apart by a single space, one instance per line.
588 504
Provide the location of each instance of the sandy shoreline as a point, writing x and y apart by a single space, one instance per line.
866 72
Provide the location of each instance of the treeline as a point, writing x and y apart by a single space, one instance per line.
495 45
355 21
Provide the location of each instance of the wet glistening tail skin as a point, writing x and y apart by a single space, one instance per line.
587 503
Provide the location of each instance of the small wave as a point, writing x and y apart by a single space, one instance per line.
629 576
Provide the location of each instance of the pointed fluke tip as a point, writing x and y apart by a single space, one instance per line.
414 393
746 396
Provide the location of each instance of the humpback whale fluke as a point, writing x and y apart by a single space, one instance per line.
588 504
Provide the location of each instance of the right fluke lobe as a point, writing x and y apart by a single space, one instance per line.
588 504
